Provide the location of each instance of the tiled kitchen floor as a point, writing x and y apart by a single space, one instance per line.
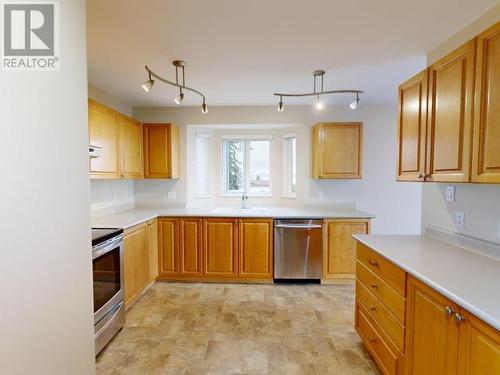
239 329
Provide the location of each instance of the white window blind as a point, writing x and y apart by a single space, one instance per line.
290 164
202 165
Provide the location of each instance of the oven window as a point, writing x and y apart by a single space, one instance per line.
106 271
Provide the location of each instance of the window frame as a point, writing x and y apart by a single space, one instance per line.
246 138
209 141
288 167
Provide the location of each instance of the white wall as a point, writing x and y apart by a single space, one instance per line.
106 194
46 324
480 203
396 205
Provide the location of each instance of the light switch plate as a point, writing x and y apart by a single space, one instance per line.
460 220
450 193
171 195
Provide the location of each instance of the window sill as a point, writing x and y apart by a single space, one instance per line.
203 196
238 195
289 196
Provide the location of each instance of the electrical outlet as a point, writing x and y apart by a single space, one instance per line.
171 195
460 220
450 193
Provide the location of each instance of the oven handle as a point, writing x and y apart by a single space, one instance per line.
106 247
115 312
298 226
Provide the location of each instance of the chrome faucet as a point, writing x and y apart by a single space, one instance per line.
244 197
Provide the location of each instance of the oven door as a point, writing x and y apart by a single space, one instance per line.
107 276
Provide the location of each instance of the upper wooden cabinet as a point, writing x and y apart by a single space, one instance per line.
256 248
486 159
103 133
130 141
451 90
161 151
339 250
337 150
412 122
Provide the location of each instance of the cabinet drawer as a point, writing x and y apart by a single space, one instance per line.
385 358
388 271
388 322
391 299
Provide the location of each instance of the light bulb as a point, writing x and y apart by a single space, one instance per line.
355 103
148 85
204 107
179 98
319 105
280 106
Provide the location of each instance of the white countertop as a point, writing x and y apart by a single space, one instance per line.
129 218
468 278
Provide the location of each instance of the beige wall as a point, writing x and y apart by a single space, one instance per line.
109 100
480 203
396 205
47 322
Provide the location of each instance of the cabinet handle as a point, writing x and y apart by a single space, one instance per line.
373 339
448 310
373 285
373 262
459 318
373 307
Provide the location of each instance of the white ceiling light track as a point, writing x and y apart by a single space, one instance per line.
319 105
179 64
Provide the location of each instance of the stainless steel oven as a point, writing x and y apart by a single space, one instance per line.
107 269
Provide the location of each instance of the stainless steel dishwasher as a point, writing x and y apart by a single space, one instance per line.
298 249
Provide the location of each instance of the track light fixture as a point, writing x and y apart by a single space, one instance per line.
148 85
319 105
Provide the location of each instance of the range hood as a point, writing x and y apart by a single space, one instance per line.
95 152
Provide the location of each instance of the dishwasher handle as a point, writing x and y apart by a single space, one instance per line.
298 226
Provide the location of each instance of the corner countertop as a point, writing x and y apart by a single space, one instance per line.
468 278
132 217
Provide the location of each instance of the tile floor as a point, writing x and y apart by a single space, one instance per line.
239 329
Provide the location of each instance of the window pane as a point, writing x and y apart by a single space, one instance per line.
234 163
258 173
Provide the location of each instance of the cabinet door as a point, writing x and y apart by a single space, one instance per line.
337 150
168 246
220 246
256 248
130 147
153 249
103 133
431 333
479 351
412 123
486 158
161 151
135 262
451 82
190 246
340 247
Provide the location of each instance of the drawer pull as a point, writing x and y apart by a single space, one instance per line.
373 307
448 310
373 262
459 318
373 339
373 285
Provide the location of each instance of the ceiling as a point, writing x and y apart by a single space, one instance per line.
241 52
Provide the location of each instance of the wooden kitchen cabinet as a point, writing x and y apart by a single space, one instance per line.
152 228
161 151
168 246
449 130
486 154
130 141
337 150
412 126
339 253
220 243
479 347
191 246
431 331
135 262
103 133
256 248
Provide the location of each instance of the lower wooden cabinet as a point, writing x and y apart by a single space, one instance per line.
220 243
339 249
152 226
190 246
135 262
256 248
168 246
